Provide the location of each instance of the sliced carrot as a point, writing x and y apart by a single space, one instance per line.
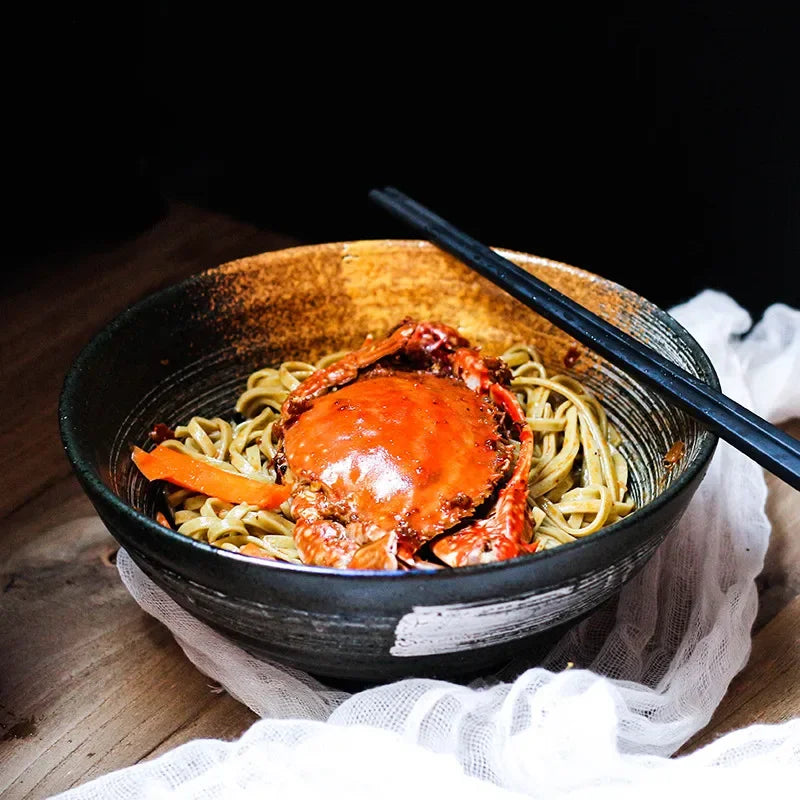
161 519
251 549
167 464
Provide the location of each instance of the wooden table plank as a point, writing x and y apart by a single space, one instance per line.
90 683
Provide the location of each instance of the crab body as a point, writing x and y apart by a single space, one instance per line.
397 445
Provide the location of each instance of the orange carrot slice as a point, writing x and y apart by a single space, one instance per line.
163 463
254 550
161 519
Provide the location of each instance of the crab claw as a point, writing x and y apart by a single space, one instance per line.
479 372
379 554
326 543
505 533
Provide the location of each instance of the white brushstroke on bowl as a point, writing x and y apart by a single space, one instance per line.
427 630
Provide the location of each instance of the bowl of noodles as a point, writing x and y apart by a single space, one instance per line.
200 421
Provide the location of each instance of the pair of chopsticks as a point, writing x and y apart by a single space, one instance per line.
767 445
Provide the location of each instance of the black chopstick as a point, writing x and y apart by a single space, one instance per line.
767 445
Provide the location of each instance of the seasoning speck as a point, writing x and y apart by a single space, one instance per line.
161 519
674 454
161 433
572 355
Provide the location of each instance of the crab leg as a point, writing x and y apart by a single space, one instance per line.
503 534
343 371
423 337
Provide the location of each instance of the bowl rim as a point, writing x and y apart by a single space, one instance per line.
89 477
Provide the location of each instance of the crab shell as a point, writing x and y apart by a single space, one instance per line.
385 460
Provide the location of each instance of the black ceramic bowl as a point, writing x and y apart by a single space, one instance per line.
188 349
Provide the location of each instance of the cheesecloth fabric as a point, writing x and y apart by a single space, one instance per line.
648 672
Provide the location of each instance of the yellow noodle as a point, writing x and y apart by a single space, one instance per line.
579 479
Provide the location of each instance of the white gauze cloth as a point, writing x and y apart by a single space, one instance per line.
649 669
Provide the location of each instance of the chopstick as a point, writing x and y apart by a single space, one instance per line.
767 445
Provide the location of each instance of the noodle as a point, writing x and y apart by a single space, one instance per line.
578 479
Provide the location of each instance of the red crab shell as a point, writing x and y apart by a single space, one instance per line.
406 451
383 461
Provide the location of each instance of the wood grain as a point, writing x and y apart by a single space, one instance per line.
88 682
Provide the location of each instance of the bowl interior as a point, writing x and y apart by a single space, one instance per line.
188 350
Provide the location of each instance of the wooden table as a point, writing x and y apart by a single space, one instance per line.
88 682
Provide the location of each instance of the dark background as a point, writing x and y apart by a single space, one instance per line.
656 145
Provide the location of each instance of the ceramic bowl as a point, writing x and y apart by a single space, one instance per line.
188 350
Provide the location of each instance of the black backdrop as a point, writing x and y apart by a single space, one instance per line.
657 145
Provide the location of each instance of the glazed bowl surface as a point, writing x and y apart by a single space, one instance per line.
188 350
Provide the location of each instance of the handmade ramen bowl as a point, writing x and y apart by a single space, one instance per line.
188 350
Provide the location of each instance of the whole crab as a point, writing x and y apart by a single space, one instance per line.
406 441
